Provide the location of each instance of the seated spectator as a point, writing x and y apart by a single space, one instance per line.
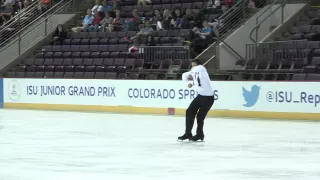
44 5
22 7
229 3
59 35
117 22
167 18
106 21
117 5
186 19
7 13
156 17
94 27
214 4
156 20
133 23
98 7
144 32
177 16
9 3
151 41
106 6
87 21
144 2
316 36
315 21
199 17
200 39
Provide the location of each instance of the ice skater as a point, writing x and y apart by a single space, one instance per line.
201 104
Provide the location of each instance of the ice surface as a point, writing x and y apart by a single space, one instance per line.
44 145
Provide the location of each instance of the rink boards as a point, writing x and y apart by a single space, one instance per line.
278 100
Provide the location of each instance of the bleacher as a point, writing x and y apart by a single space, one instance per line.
110 55
295 56
106 54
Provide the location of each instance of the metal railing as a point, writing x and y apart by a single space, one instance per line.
22 12
231 19
35 31
259 21
151 53
234 17
23 19
282 50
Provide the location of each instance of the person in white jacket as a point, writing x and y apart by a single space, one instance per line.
201 105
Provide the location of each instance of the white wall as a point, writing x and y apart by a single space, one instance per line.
238 39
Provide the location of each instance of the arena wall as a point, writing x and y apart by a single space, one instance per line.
276 100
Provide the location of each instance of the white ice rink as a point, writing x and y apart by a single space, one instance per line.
43 145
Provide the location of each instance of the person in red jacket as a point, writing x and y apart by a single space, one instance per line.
44 5
229 3
94 27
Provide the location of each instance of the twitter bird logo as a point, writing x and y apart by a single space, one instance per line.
251 97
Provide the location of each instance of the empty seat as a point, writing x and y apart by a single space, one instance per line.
48 74
78 75
299 77
313 77
100 75
68 75
58 74
89 75
111 75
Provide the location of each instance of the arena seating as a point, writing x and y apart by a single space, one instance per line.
298 51
105 54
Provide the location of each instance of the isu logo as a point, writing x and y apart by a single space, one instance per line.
14 90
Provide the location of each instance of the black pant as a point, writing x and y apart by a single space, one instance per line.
200 107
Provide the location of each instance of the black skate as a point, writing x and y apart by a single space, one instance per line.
185 136
197 137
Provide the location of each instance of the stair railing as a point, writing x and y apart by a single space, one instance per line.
282 3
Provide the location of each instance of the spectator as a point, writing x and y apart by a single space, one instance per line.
229 3
316 36
106 6
97 7
117 22
199 17
156 20
157 17
145 32
177 16
214 4
22 7
7 13
167 18
151 41
133 23
87 21
315 21
96 22
116 5
9 3
44 5
201 38
106 21
59 35
187 18
144 2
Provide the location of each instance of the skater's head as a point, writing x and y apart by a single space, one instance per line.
196 62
